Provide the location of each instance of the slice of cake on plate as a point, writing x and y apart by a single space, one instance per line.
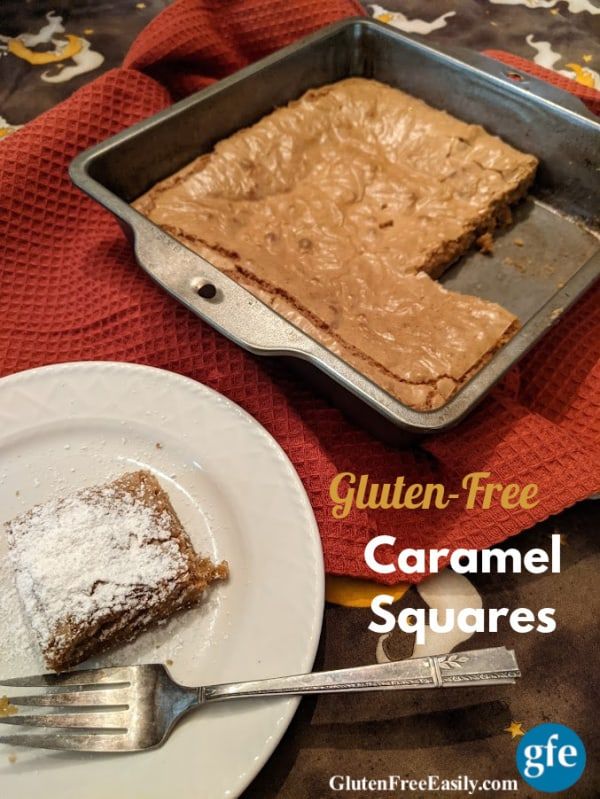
97 567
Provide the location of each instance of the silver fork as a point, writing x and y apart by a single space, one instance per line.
129 708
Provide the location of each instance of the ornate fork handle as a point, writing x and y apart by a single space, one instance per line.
132 708
495 666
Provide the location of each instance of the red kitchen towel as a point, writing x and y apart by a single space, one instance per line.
70 290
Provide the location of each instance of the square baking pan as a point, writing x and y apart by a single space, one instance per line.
539 266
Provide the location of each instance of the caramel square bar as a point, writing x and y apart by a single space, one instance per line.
95 568
340 210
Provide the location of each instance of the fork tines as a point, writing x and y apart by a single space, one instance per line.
77 704
74 742
83 677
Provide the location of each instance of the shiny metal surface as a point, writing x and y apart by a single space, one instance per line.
128 709
540 266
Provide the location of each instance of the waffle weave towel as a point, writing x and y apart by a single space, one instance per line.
70 290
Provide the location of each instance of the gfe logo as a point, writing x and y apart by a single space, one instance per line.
551 757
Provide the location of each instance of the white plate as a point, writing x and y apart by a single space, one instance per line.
73 425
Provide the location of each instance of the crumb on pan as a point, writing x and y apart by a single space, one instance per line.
515 264
6 709
485 242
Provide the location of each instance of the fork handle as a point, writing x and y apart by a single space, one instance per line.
493 666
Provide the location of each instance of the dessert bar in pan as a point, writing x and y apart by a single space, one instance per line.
339 209
538 268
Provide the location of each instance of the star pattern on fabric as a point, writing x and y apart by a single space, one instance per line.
515 728
353 592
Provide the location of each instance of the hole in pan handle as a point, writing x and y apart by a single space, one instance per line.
206 290
523 80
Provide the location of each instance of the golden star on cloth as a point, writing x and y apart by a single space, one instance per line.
353 592
515 728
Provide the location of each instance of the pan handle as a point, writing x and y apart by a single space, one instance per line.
214 296
520 80
239 315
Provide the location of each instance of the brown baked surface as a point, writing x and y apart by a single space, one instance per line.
122 562
337 211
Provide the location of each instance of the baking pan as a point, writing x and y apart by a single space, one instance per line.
560 253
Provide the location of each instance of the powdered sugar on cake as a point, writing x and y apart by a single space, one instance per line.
91 554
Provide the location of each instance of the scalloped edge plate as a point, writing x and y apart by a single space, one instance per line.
66 426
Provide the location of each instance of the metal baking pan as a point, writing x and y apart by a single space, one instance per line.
538 281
